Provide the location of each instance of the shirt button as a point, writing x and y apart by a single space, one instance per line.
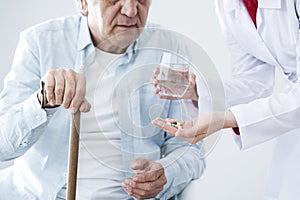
81 67
25 143
49 116
65 174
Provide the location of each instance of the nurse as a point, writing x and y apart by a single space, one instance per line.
259 41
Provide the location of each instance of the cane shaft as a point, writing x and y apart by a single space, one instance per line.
73 156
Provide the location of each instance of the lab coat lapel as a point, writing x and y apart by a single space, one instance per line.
265 4
245 31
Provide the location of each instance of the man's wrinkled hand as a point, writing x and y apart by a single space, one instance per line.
67 88
149 179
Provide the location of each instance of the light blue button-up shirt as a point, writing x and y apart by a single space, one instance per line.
37 139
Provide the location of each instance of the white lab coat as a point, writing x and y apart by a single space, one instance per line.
256 52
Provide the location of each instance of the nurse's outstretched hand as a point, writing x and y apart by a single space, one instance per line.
199 128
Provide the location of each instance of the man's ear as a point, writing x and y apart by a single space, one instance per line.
83 5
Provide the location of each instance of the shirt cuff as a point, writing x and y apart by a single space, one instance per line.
169 173
33 113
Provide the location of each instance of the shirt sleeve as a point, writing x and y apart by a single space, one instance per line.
182 161
21 117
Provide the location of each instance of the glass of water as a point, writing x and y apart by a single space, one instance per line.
173 77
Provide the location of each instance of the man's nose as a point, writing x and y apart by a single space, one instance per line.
129 8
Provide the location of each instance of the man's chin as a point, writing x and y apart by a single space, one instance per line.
121 40
128 35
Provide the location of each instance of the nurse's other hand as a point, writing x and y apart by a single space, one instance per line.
191 92
67 88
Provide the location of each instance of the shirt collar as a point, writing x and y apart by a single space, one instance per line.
128 56
230 5
84 37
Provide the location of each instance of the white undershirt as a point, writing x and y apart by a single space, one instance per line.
100 158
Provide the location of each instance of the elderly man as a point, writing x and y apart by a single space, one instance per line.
98 62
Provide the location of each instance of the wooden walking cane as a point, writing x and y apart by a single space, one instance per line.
73 156
73 146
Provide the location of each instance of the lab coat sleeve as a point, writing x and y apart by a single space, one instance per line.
21 118
248 81
264 119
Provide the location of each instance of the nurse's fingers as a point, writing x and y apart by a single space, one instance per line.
165 125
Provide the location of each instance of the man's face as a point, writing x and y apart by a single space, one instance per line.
110 18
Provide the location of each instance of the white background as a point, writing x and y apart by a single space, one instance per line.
231 174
